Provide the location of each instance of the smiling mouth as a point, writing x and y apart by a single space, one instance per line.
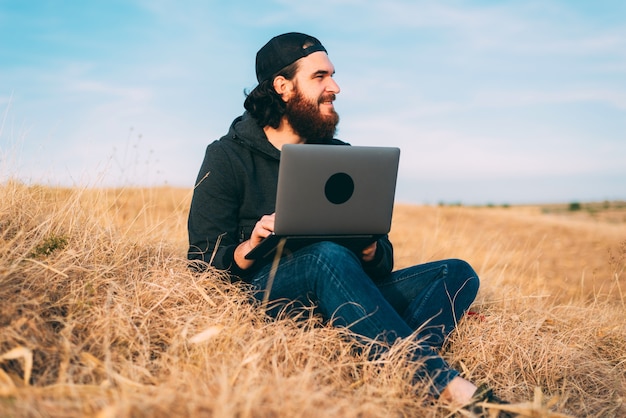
327 100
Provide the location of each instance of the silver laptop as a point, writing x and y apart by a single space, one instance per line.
334 193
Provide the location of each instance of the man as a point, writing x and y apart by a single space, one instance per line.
232 210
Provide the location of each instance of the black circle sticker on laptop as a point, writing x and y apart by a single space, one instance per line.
339 188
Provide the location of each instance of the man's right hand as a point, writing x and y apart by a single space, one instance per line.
263 228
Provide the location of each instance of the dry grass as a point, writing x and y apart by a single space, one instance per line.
100 316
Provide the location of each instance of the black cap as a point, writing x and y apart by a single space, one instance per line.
283 50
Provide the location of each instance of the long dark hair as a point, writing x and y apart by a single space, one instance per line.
264 104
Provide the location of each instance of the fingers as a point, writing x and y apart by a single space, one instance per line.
266 224
369 252
263 228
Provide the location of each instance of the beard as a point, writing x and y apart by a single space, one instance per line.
307 121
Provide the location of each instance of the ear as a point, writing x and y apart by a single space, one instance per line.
283 87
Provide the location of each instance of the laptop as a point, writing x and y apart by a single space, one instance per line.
343 194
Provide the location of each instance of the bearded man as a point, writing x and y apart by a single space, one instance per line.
232 210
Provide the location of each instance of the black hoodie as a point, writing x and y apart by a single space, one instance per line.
235 187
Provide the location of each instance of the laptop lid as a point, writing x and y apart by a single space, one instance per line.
335 190
343 194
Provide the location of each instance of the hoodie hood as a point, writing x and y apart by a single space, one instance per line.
247 132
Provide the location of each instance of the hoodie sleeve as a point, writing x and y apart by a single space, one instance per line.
213 221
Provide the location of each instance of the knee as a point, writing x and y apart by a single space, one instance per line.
462 273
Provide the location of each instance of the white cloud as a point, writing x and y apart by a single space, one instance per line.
513 98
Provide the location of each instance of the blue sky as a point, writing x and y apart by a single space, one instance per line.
489 101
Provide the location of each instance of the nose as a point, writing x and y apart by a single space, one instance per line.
332 87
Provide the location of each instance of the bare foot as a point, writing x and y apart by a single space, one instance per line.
458 392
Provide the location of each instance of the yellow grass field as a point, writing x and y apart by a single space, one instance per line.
100 317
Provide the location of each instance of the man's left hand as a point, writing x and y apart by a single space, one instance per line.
369 252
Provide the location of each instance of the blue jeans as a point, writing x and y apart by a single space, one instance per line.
424 302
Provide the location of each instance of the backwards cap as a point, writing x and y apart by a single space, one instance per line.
283 50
